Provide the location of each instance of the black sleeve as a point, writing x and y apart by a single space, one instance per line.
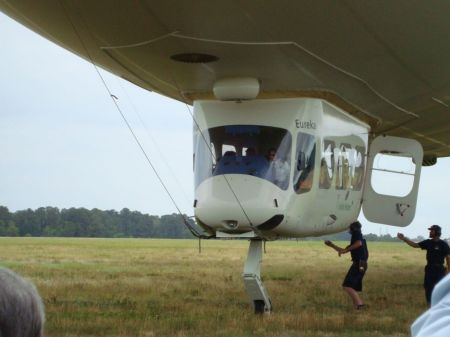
358 236
423 244
446 248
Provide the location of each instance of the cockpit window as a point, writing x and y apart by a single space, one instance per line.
256 150
304 162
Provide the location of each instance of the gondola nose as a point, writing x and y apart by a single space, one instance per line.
239 203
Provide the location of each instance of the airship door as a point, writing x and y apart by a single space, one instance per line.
392 180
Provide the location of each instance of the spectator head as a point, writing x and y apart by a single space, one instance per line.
21 308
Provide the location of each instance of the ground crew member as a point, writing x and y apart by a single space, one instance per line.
358 249
437 251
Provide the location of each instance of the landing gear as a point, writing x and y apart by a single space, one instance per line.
252 279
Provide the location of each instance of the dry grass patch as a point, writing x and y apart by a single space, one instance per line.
154 288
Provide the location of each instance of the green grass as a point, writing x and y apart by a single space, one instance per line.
153 288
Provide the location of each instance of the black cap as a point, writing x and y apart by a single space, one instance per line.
355 226
436 228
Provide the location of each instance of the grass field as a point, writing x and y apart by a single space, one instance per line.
154 288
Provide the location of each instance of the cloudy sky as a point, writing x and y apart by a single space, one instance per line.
63 143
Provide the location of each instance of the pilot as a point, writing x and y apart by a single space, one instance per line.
271 154
437 251
278 171
358 249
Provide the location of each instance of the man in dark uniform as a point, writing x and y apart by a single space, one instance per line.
358 249
437 251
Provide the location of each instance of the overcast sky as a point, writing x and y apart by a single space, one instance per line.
63 143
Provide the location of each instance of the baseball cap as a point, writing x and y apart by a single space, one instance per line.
355 226
435 227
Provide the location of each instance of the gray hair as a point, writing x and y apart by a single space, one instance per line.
21 308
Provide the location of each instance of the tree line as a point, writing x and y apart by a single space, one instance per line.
82 222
